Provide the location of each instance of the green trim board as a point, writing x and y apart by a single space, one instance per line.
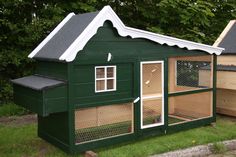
166 91
190 92
214 85
51 139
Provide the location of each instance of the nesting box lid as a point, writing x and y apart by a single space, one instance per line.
37 82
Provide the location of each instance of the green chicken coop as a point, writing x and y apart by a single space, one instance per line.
99 82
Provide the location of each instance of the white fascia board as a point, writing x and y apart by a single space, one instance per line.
105 14
223 34
171 41
108 14
49 37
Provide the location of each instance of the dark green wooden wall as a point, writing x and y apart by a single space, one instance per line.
56 70
42 102
84 85
28 98
126 52
55 99
125 49
54 128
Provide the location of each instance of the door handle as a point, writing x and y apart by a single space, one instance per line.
137 99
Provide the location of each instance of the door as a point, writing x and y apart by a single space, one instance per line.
152 93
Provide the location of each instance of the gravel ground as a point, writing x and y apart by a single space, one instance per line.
202 151
227 154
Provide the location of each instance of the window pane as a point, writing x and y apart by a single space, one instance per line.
100 73
100 85
110 84
110 72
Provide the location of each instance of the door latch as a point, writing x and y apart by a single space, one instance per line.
137 99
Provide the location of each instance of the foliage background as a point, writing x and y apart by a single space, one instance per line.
25 23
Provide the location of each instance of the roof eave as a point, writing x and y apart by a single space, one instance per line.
108 14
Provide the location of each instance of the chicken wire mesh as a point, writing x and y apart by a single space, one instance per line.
103 121
190 73
152 110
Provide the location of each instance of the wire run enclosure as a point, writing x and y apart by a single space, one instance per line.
96 123
188 74
190 98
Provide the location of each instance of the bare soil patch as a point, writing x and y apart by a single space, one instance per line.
19 120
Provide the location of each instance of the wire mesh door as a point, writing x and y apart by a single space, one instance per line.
152 94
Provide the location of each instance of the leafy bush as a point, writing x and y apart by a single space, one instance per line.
5 92
12 109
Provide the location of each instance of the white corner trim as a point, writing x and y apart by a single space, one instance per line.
108 14
58 27
225 31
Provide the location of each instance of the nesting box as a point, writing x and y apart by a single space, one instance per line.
99 82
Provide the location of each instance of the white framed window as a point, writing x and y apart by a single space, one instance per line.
105 78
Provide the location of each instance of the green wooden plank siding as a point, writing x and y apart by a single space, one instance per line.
43 103
124 49
55 100
126 52
55 127
84 85
28 98
52 69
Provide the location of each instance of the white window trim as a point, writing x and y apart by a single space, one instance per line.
105 78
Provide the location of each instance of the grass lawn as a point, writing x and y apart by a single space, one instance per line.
23 141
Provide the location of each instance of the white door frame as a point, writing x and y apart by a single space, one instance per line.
141 95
